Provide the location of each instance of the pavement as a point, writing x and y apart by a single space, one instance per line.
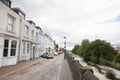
65 71
10 69
38 69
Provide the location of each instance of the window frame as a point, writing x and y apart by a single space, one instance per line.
10 23
28 48
32 34
24 48
26 31
4 55
10 48
13 48
36 36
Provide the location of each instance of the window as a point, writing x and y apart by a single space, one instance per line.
32 34
13 48
11 21
28 46
26 31
10 47
23 48
36 36
6 45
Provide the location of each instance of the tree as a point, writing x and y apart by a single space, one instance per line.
99 48
75 49
117 58
84 45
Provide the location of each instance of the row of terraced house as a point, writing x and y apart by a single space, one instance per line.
20 39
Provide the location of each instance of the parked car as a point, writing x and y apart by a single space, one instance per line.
60 52
56 54
47 56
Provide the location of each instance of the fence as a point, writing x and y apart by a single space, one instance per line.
78 71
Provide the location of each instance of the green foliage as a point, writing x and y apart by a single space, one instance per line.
95 50
84 45
112 64
98 49
117 58
97 67
75 49
110 74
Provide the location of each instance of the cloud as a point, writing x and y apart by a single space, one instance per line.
113 20
75 19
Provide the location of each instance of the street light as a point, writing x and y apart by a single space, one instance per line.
65 43
65 48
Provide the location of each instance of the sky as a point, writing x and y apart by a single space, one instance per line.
75 19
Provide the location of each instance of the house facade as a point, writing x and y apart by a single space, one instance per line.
29 41
9 34
41 41
49 46
20 39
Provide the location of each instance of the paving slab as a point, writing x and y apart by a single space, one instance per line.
65 73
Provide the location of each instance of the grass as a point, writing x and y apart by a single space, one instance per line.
113 65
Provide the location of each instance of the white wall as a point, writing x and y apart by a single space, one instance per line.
9 60
4 33
4 12
1 49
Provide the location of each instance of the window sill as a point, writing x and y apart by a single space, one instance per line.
9 57
26 37
13 32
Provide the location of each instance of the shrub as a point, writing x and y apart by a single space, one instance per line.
110 74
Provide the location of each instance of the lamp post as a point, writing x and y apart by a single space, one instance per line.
65 47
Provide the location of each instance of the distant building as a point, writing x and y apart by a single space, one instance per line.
41 41
49 46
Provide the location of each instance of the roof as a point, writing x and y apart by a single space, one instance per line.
31 22
17 10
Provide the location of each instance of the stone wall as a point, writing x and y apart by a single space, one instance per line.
78 71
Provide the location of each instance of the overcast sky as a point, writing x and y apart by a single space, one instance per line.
75 19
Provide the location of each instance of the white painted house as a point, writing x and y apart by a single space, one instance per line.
19 38
9 34
29 41
49 45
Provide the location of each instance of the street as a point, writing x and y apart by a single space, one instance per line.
48 69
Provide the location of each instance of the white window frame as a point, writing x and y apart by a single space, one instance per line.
28 48
32 36
13 48
24 48
26 31
36 36
11 23
9 48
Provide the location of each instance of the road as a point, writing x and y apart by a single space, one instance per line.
48 69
